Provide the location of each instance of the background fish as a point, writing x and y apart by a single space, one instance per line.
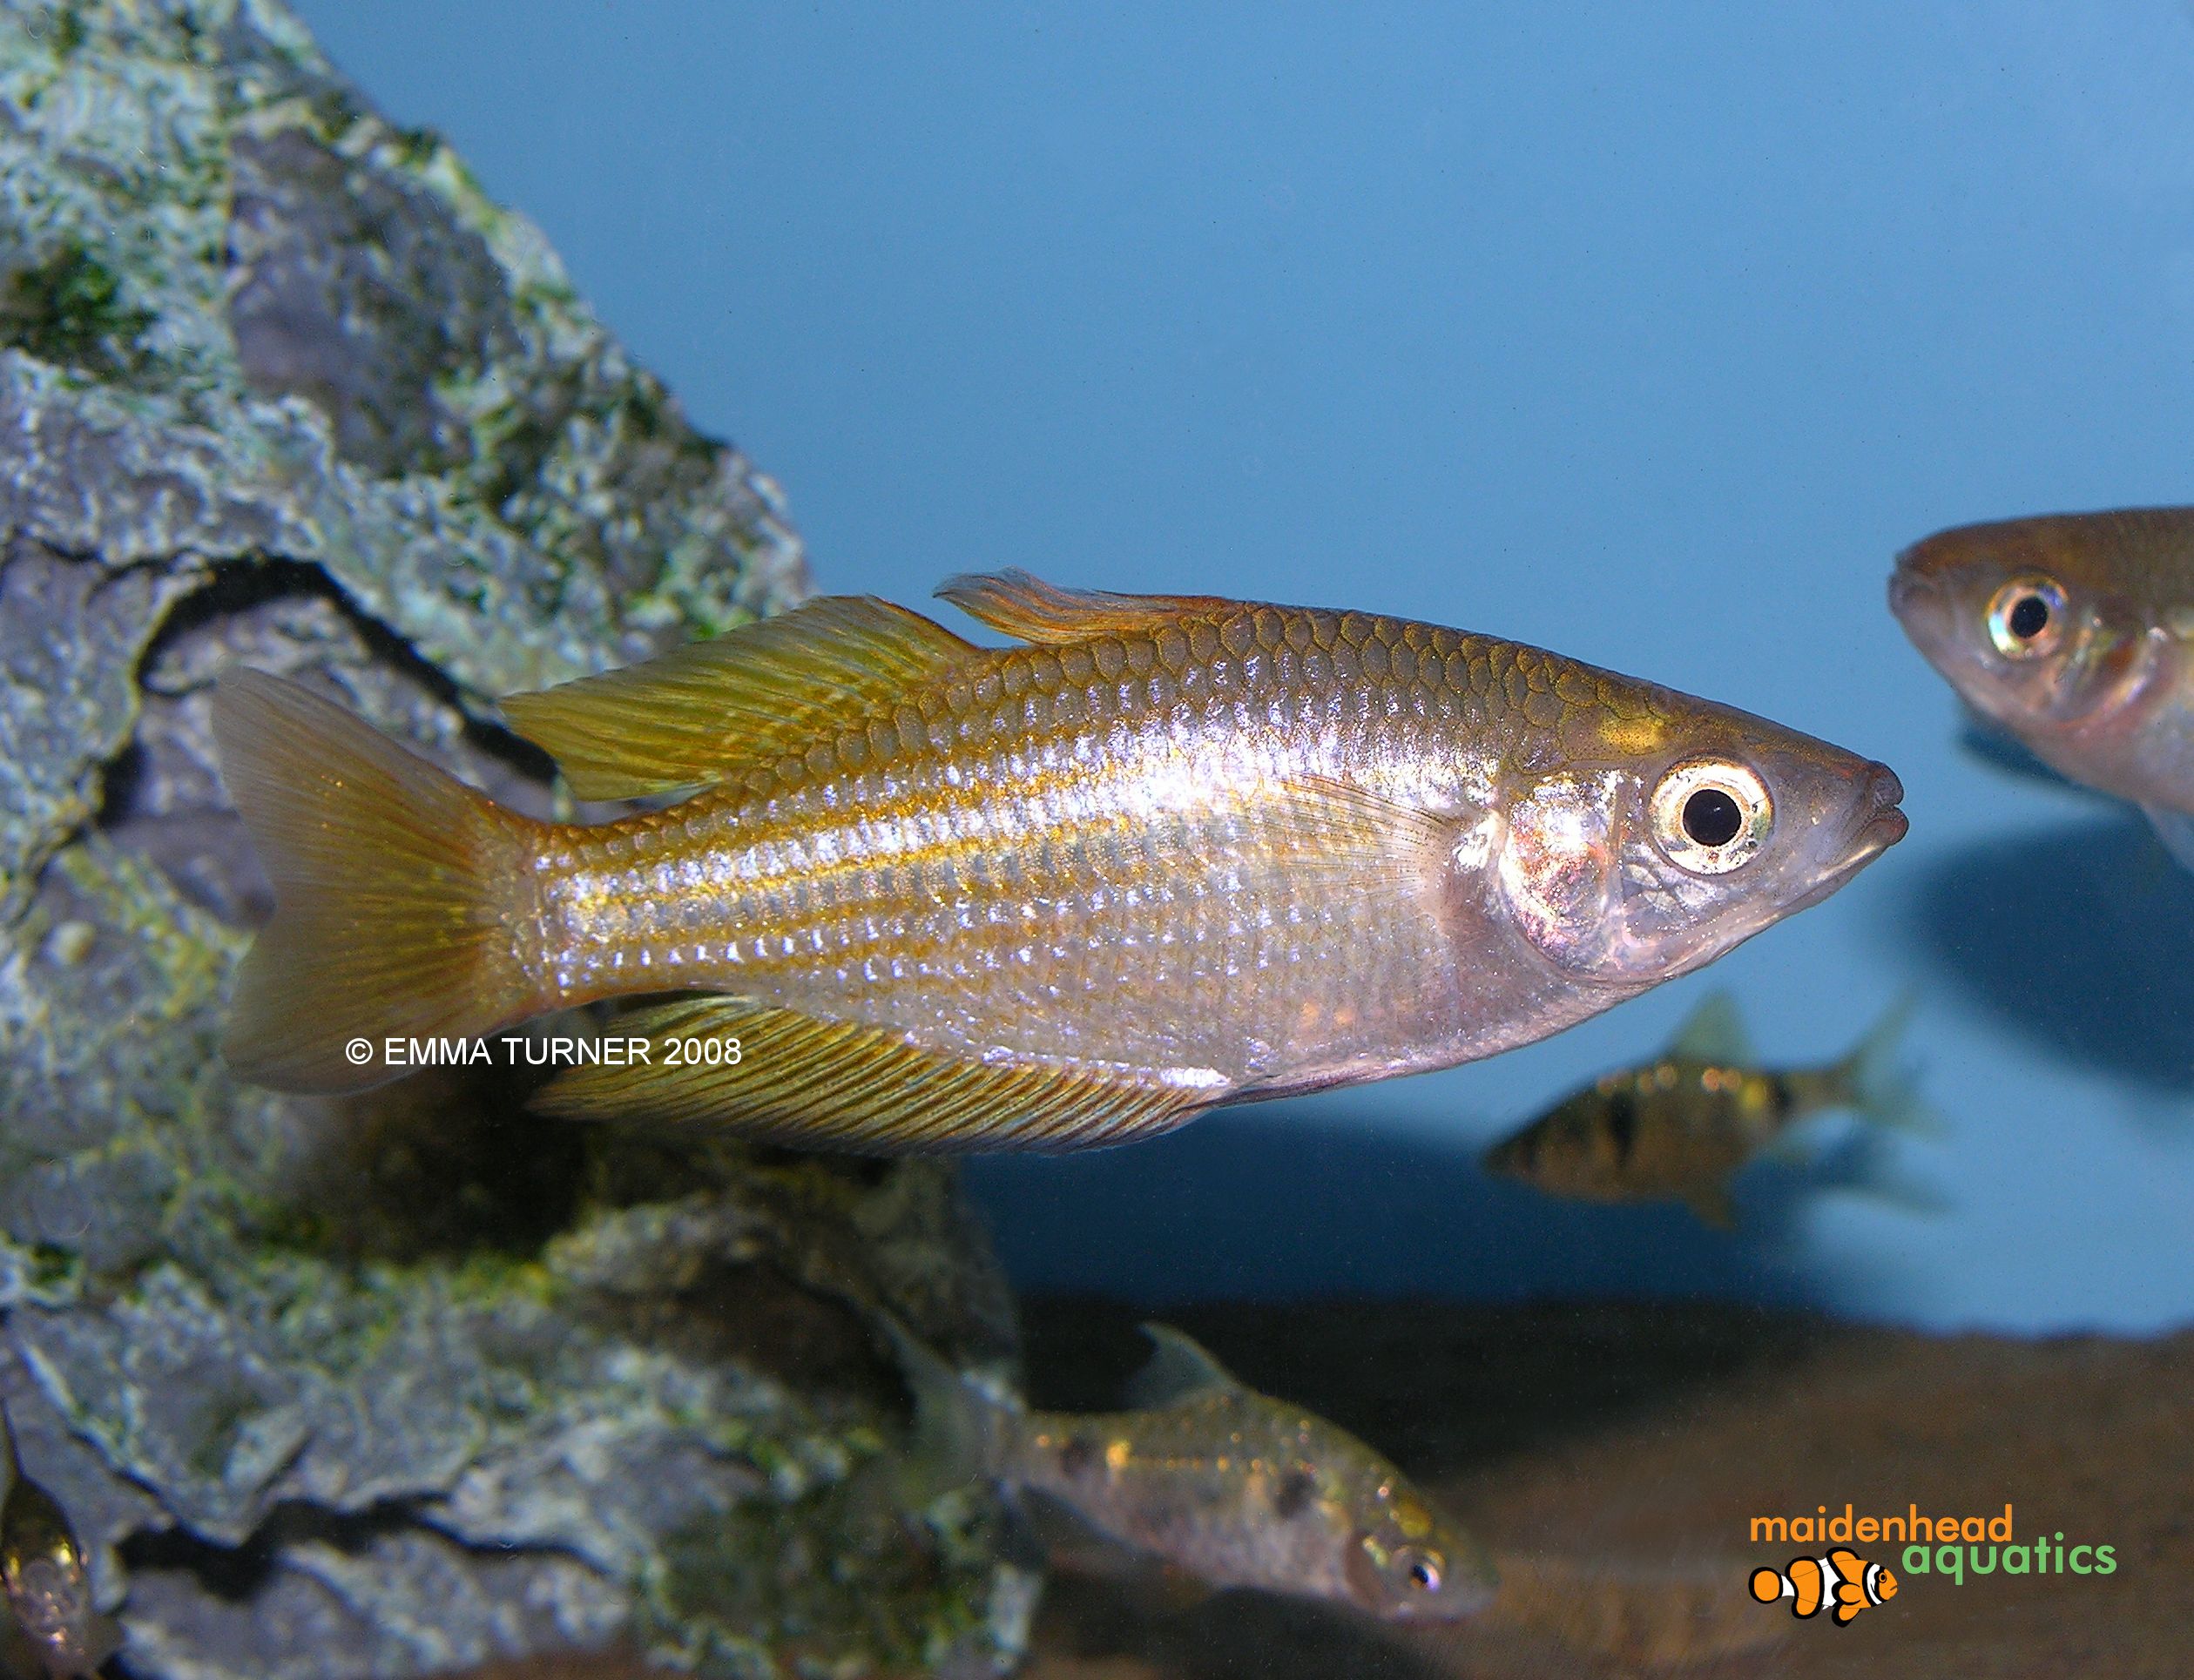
1238 1489
47 1584
1681 1127
2071 633
1171 852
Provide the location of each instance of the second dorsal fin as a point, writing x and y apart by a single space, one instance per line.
1015 603
699 713
1714 1033
1179 1369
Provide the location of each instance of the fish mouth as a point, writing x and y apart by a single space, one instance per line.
1919 604
1878 836
1878 826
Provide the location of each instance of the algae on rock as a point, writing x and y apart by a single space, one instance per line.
398 1383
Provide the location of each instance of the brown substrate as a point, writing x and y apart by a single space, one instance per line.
1614 1457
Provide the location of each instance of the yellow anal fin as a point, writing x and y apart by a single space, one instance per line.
838 1085
1015 603
748 697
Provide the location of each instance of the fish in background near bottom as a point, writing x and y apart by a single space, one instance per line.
47 1586
1235 1488
1167 853
1681 1127
2074 633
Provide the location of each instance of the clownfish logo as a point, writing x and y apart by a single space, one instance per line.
1842 1583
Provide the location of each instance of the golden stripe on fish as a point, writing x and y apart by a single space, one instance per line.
1168 852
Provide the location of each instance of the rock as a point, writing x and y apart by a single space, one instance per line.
415 1381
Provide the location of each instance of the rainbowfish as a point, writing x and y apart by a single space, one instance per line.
1680 1127
47 1584
1842 1578
1164 852
1235 1488
2075 634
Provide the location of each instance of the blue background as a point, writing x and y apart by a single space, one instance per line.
1646 332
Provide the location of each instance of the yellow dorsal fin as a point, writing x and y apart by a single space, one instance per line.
747 697
838 1085
1015 603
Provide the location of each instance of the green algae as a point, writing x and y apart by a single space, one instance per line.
70 309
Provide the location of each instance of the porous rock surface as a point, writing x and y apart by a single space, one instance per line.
415 1381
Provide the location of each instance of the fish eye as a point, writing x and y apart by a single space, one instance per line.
1712 815
2026 617
1420 1568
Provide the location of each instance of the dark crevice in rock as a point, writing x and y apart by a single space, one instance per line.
234 1574
161 797
444 1164
761 1318
235 587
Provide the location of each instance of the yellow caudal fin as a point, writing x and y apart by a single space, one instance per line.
393 885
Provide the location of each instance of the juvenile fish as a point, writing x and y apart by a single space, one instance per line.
1235 1488
1681 1127
1166 853
2071 633
47 1584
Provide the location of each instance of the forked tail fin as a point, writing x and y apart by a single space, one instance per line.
1876 1082
960 1431
393 889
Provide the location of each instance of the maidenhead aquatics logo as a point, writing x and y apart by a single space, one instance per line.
1844 1583
1841 1578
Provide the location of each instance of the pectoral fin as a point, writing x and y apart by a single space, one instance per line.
838 1085
1714 1033
748 697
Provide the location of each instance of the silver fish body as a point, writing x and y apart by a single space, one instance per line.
1167 853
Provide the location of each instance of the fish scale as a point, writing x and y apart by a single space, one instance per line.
1163 851
896 848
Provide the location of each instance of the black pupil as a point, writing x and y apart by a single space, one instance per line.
1712 818
2030 617
1420 1573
